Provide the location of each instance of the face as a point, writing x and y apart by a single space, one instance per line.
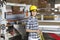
34 13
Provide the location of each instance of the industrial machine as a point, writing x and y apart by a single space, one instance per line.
8 17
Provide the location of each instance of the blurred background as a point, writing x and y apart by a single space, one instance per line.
14 13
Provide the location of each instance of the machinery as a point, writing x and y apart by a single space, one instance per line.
17 26
4 20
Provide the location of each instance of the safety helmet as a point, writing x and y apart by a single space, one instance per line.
33 8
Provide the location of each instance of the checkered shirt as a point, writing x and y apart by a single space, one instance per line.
32 24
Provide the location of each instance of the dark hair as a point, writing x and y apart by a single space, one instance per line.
31 12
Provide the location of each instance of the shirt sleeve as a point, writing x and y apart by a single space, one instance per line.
27 24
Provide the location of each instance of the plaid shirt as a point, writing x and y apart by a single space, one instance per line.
32 24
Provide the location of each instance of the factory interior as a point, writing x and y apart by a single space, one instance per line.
14 14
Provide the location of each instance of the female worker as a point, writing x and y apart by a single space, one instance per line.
32 24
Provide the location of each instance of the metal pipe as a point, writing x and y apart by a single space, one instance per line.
15 4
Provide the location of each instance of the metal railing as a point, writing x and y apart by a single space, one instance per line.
48 29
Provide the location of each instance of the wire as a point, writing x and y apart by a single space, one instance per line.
41 36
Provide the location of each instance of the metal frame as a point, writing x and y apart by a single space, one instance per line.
3 8
15 4
50 28
9 4
42 20
49 21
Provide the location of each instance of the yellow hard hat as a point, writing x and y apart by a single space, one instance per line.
33 7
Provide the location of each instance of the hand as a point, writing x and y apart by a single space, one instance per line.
38 31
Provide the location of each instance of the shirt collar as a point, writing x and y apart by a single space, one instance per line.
32 17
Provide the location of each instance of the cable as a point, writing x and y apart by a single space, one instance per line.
41 36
